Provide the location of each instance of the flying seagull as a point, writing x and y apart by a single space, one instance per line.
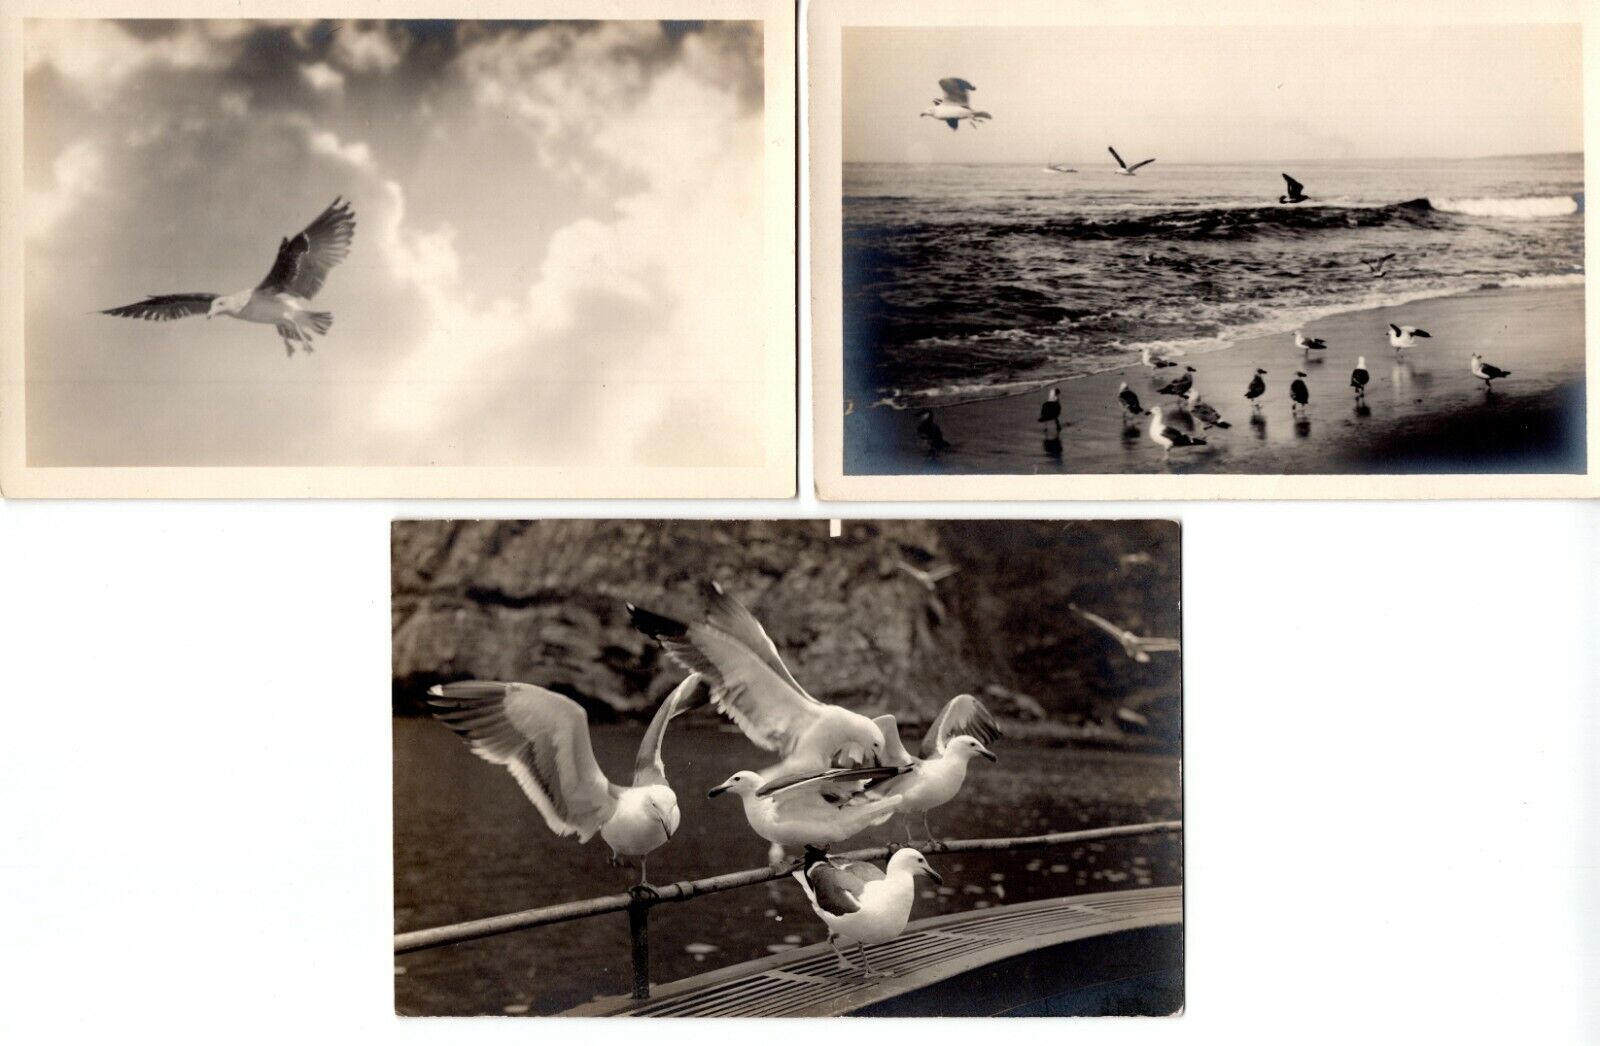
1139 648
1307 344
1257 389
283 299
1166 436
1298 392
1122 167
751 686
961 731
860 903
1050 410
1405 337
1359 378
1061 169
1486 372
1296 193
811 809
1205 413
1376 265
954 106
928 579
1130 400
543 739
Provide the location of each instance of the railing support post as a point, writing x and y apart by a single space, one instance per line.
639 930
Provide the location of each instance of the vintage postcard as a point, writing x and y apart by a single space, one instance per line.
1229 252
486 256
787 768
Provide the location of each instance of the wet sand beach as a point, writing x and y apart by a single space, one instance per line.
1424 411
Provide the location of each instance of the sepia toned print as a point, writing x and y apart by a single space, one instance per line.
752 769
1215 252
538 248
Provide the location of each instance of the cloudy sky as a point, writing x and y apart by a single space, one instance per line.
1197 94
557 259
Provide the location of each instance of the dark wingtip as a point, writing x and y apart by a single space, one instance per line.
654 625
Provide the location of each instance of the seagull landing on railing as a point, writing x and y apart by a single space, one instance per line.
860 903
961 731
1137 647
542 738
283 299
812 809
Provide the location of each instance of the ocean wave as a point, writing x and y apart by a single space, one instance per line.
1509 206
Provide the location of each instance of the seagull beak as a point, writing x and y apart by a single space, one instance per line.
988 754
717 791
935 876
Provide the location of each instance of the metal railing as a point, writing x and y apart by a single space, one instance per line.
638 903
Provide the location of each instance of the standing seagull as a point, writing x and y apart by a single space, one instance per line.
1359 378
1122 167
1180 385
1166 437
1205 413
1139 648
929 432
954 106
543 739
961 731
1050 409
283 299
1296 192
751 686
1257 389
1405 337
1486 372
1130 400
860 904
1153 360
1306 344
1298 392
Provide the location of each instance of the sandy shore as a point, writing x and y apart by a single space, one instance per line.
1424 413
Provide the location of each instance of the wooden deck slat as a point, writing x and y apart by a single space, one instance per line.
807 981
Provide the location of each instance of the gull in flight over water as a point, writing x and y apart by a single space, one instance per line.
961 731
1137 647
1122 167
751 686
542 738
955 106
1405 337
860 903
1296 192
1376 265
283 299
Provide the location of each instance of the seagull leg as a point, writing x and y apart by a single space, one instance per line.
844 963
866 967
927 830
905 819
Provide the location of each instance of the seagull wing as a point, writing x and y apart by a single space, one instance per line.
806 785
1159 645
163 307
894 752
648 768
1119 634
944 570
955 89
963 714
1117 156
543 739
1294 186
1141 163
836 890
305 259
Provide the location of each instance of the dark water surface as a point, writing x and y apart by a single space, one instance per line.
468 844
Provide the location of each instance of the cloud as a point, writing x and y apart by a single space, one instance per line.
366 48
98 56
78 172
323 78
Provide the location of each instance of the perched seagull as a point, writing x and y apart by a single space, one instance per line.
1130 400
811 809
1205 413
750 685
1154 360
543 739
1168 437
1050 409
1257 389
1405 337
1359 378
1180 385
1486 372
1137 647
960 732
929 432
1298 392
954 106
928 579
1296 193
1307 344
860 904
283 299
1122 167
1376 265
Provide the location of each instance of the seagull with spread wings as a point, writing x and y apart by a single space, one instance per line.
283 299
1137 647
817 809
956 105
1122 167
961 731
751 686
1295 192
542 738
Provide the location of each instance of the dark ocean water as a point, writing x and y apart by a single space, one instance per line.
968 280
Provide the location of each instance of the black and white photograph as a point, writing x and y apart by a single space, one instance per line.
430 257
1228 250
787 768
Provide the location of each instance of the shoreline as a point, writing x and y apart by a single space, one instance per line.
1425 413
